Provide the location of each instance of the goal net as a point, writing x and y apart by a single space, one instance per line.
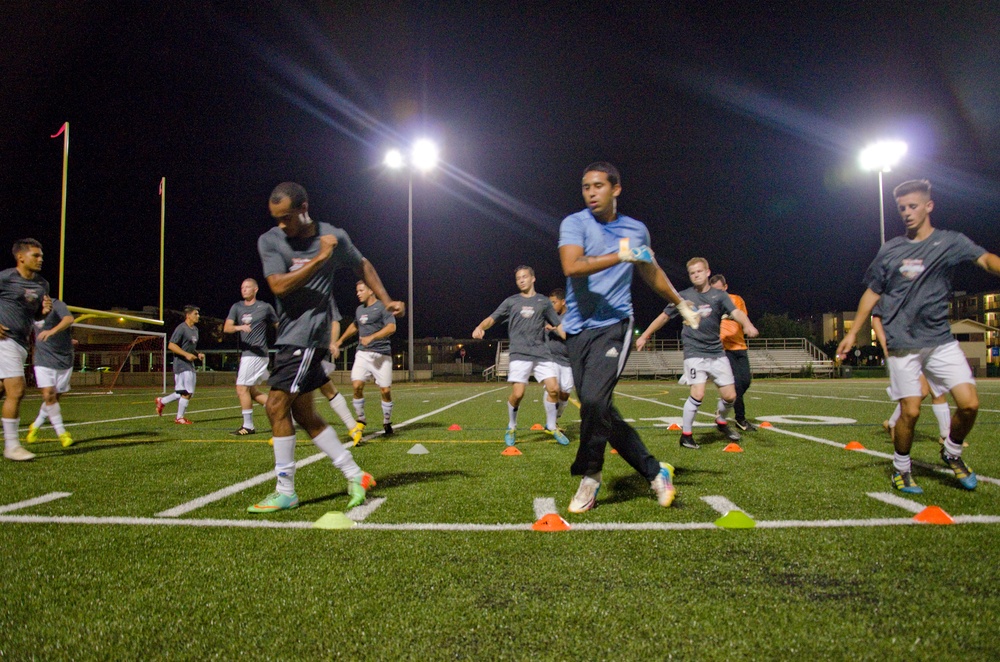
126 357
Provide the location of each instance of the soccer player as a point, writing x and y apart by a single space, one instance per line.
251 319
599 249
557 347
184 344
704 356
300 257
373 358
526 314
735 344
910 279
24 298
53 361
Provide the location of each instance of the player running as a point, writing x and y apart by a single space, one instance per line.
53 362
250 318
184 344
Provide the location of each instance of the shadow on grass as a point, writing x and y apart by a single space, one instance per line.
83 445
395 480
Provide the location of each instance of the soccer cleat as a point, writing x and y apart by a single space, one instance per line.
32 436
746 426
561 439
243 431
687 441
18 454
183 421
66 440
159 407
663 485
509 438
275 501
966 478
586 495
387 428
904 483
358 488
356 432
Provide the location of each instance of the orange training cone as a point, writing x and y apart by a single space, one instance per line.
765 424
733 448
933 515
854 446
550 522
455 427
537 426
510 450
614 452
674 426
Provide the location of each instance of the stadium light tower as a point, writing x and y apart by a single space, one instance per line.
423 158
882 156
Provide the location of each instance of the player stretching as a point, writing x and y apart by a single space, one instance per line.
299 258
526 314
703 353
557 347
184 345
250 318
24 298
910 280
599 249
373 324
53 361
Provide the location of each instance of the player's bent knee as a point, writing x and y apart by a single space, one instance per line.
184 394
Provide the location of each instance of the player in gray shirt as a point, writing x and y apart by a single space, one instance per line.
526 314
184 344
704 356
250 318
53 362
910 280
24 298
300 258
557 347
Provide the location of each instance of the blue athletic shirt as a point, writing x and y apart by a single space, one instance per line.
604 298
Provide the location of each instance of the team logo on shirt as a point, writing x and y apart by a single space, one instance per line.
704 310
363 319
527 312
31 296
247 318
297 263
911 268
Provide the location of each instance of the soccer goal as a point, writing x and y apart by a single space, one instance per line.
130 356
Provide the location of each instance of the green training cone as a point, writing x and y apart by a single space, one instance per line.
334 520
735 519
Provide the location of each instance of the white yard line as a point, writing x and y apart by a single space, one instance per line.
896 500
359 513
45 498
722 505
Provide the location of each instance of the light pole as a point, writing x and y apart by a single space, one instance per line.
423 157
882 156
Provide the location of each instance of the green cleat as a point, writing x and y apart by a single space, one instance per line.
904 483
355 433
966 478
358 488
65 440
509 438
32 434
561 439
275 501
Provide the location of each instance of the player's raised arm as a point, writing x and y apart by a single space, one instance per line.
748 328
483 327
990 262
865 308
284 283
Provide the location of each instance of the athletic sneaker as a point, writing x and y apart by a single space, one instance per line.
355 433
243 431
586 495
728 432
508 437
905 483
663 485
561 439
159 407
18 454
387 428
275 501
687 441
963 473
358 487
183 421
746 425
33 435
65 440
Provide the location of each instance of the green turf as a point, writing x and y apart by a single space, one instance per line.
111 591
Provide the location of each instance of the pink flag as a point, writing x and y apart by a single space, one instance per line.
59 132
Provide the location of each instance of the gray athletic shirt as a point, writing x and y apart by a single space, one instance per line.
372 319
56 351
20 301
557 347
259 315
304 315
186 338
914 281
704 342
526 318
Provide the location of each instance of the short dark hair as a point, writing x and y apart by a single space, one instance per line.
292 191
603 166
188 309
559 293
912 186
717 278
22 245
524 267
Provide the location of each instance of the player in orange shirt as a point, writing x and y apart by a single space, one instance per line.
735 345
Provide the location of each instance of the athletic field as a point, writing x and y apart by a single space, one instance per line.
136 543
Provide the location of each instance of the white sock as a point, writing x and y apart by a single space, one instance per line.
511 416
167 399
690 409
386 412
327 442
723 409
284 464
339 406
952 448
182 406
43 413
359 408
895 416
901 463
943 415
10 438
590 479
55 416
247 418
550 414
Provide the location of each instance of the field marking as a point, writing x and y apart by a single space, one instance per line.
544 506
45 498
201 501
722 505
896 500
866 399
359 513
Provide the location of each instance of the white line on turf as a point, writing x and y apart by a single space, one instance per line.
544 506
45 498
194 504
722 505
359 513
896 500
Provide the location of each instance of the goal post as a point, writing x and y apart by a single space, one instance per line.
138 349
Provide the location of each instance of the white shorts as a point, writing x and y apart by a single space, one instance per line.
519 371
698 370
944 367
184 381
253 370
565 377
378 366
12 358
53 377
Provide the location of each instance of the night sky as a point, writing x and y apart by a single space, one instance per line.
736 127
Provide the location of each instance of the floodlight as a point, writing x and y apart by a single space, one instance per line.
425 155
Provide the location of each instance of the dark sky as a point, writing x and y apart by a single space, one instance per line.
736 127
